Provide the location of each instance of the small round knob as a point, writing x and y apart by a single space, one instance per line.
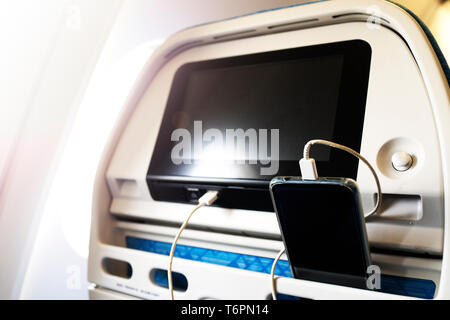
402 161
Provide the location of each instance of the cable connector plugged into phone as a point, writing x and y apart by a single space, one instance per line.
308 169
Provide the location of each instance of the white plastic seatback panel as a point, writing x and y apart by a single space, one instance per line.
407 107
397 106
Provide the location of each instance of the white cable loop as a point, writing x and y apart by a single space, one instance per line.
207 199
356 154
272 274
174 244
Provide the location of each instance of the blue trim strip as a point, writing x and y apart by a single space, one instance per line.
419 288
223 258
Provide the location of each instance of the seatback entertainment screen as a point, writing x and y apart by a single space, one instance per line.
239 121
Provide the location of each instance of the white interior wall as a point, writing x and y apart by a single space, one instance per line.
49 50
57 267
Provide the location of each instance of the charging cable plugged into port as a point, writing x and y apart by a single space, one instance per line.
206 200
309 172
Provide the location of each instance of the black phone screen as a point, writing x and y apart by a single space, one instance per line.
323 231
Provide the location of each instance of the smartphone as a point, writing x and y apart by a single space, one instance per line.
323 229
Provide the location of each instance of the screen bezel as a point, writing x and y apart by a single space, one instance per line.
348 123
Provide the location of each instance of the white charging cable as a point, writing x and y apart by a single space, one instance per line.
272 274
309 172
207 199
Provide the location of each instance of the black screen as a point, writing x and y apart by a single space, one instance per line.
242 96
323 230
287 96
